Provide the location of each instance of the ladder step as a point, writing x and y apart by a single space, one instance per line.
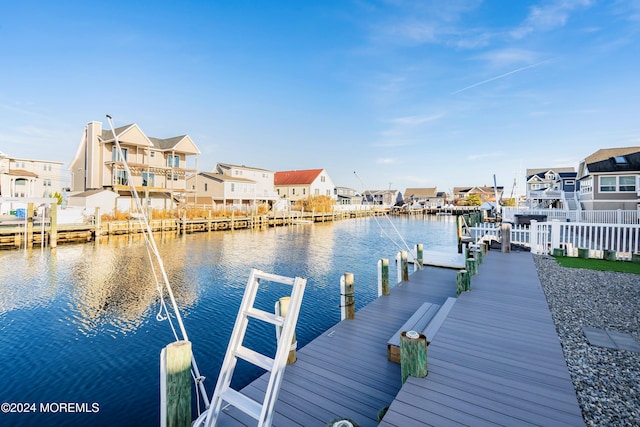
265 316
255 358
242 402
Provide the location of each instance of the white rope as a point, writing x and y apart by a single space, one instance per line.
406 246
151 245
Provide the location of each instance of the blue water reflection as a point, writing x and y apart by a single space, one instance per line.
78 324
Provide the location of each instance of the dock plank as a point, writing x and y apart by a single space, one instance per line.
495 360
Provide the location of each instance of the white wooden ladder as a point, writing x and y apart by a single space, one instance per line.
262 412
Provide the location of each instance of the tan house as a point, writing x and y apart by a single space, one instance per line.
298 185
610 179
427 197
29 178
159 167
486 194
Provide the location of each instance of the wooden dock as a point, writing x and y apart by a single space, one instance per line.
496 359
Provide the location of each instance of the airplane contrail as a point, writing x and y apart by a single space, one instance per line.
498 77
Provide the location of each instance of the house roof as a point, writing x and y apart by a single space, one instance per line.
607 153
302 177
614 160
538 171
230 166
224 178
21 172
421 192
483 189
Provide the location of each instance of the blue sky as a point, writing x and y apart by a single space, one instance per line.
405 93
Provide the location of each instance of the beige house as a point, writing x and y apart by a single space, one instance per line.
299 185
610 179
29 177
159 167
427 197
233 186
486 194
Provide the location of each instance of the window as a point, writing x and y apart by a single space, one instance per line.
627 183
152 154
121 178
304 191
293 191
233 187
173 161
317 192
322 178
621 160
148 179
115 157
206 186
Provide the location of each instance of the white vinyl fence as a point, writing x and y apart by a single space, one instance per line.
618 216
543 237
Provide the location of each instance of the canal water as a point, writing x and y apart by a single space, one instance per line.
79 336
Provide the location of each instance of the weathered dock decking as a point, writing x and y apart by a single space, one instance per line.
495 361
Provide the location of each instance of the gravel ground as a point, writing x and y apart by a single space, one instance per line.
607 381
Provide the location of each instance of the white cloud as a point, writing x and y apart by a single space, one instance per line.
386 161
417 120
485 155
553 15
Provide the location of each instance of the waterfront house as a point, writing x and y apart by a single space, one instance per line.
233 186
426 197
348 196
552 188
382 197
29 177
486 194
159 167
301 184
610 179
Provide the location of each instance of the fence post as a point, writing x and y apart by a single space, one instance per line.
347 300
534 237
505 230
555 234
383 276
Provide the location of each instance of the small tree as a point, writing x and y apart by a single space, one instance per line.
509 202
473 200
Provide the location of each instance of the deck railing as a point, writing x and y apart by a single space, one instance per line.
617 216
543 237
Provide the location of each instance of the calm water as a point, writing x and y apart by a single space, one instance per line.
79 324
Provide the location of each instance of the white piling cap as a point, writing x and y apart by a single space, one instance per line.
412 335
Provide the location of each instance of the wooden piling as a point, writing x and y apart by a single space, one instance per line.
404 262
472 266
30 214
177 385
463 282
459 228
419 255
383 270
413 355
97 222
53 230
347 300
282 308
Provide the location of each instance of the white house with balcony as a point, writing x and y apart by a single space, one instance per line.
159 167
233 186
552 188
21 177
